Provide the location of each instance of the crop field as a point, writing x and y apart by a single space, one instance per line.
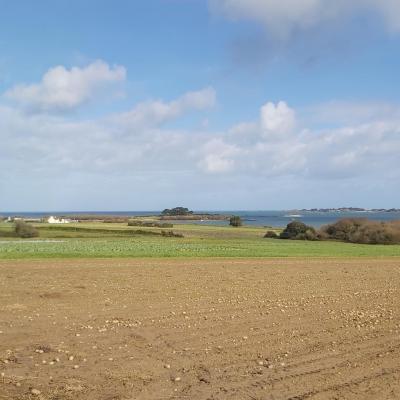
99 240
200 329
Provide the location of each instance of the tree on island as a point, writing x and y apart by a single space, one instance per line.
235 221
177 211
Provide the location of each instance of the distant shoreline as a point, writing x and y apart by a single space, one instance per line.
207 214
263 218
117 217
350 209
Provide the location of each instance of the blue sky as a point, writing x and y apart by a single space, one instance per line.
219 104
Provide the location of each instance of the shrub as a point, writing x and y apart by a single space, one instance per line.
171 234
24 230
150 224
115 220
235 221
271 235
343 229
359 230
299 231
312 234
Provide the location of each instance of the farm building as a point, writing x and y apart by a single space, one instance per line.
55 220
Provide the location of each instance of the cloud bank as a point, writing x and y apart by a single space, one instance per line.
285 17
281 144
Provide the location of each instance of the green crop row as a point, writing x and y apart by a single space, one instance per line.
185 247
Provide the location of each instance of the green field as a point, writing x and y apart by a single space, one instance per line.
100 240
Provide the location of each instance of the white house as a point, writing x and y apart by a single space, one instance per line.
54 220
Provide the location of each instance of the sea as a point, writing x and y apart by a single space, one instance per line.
267 218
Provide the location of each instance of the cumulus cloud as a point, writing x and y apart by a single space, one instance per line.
275 146
277 120
64 89
282 18
155 113
279 144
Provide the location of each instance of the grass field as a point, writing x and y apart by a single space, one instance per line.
100 240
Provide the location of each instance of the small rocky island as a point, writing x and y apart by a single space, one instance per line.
183 213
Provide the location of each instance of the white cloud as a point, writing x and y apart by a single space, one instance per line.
284 17
155 113
65 89
278 145
218 156
350 113
277 120
276 149
122 143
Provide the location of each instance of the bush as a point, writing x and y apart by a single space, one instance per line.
235 221
312 234
299 231
359 230
171 234
271 235
115 220
149 224
24 230
343 229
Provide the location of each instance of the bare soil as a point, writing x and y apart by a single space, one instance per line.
200 329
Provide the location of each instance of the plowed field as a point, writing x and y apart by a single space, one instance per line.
200 329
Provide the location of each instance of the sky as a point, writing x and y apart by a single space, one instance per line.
207 104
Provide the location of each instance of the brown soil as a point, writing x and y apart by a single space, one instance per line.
200 329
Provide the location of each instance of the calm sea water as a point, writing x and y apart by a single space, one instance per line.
255 218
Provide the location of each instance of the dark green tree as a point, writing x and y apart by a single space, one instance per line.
271 235
298 230
235 220
177 211
24 230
